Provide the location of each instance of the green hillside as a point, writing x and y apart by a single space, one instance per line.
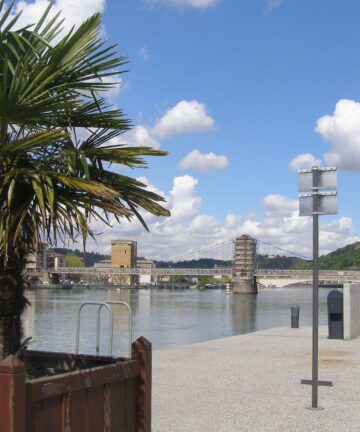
283 262
346 258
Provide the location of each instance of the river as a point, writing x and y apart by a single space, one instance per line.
165 317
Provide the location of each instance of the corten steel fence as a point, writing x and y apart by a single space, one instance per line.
115 397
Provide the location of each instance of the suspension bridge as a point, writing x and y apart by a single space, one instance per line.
240 259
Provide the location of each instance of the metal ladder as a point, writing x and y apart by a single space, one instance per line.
107 305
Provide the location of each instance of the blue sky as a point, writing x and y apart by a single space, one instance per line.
236 90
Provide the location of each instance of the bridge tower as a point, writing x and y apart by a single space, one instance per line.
245 265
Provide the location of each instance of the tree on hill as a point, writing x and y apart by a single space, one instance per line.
346 258
55 154
89 258
73 260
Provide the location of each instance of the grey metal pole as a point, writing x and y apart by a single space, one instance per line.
315 338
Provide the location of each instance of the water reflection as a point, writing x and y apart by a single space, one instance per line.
167 318
244 313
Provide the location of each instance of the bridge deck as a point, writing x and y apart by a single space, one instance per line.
327 275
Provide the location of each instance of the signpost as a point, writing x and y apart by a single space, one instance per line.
315 199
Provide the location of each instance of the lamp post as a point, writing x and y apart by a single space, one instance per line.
315 202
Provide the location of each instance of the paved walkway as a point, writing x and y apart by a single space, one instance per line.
251 383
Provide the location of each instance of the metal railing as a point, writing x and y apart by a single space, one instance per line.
107 306
226 271
135 271
300 274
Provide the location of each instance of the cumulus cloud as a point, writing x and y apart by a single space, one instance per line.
184 117
140 136
74 12
198 4
276 206
184 202
196 160
342 131
189 229
303 161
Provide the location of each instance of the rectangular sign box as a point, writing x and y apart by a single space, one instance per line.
327 204
327 179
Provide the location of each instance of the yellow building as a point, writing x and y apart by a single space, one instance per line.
123 255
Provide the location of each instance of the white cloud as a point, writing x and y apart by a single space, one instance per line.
74 11
189 230
277 206
184 117
196 160
140 136
272 4
303 161
183 202
342 131
198 4
143 53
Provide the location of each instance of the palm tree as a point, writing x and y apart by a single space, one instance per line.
55 151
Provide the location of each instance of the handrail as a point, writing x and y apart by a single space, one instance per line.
101 305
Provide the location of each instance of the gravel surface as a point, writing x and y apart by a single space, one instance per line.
252 383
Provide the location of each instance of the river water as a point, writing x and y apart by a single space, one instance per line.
165 317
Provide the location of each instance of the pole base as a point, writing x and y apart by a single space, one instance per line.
311 408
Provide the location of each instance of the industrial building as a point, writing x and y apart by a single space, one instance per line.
123 255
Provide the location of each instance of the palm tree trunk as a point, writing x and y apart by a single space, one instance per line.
10 335
12 300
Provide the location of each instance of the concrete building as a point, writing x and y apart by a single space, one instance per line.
146 279
123 255
40 263
44 257
54 260
105 263
38 258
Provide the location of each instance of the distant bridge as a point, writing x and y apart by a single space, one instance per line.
279 278
222 271
265 277
243 254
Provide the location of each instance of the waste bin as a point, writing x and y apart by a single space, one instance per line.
335 314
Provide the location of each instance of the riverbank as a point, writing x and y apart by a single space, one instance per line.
251 383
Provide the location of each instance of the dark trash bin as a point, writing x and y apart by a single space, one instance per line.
335 314
295 313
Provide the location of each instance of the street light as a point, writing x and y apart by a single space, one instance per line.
316 182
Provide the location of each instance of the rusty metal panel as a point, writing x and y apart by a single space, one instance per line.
95 404
124 405
33 416
41 388
142 352
79 413
110 398
50 416
65 413
12 395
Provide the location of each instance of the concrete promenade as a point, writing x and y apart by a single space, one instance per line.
252 383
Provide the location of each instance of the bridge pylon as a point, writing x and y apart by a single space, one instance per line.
245 265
